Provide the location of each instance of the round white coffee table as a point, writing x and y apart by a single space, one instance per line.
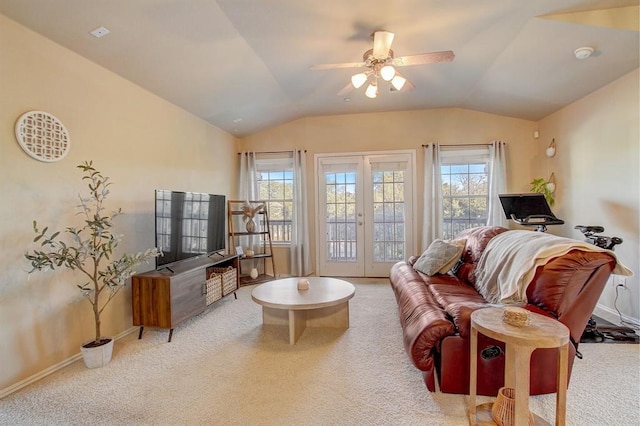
324 304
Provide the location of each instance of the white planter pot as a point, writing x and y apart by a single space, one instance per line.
551 186
97 356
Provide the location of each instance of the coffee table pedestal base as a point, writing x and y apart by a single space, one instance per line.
336 316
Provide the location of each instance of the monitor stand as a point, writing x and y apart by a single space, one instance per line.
540 221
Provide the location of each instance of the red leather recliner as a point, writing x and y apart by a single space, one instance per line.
435 315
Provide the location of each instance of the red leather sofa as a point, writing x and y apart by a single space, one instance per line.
435 314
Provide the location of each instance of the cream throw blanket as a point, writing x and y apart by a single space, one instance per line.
510 259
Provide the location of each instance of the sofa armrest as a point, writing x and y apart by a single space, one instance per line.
424 322
423 332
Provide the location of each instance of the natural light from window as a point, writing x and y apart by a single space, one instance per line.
464 196
276 188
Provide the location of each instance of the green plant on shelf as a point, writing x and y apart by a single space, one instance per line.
542 186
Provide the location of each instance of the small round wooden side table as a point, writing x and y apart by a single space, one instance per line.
520 342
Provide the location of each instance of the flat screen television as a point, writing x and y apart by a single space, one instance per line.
188 224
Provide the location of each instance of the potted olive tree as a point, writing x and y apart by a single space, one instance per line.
90 249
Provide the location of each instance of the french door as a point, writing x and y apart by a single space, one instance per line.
365 213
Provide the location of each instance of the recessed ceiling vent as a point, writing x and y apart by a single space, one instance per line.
100 32
583 52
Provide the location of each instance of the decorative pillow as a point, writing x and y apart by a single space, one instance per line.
439 257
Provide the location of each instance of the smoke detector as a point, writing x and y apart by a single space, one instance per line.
583 52
99 32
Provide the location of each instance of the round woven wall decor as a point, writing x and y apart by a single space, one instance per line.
42 136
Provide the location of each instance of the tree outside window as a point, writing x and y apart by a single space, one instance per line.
276 188
464 196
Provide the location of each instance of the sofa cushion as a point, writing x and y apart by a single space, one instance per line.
459 301
439 257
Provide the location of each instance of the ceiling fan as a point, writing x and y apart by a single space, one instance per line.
381 63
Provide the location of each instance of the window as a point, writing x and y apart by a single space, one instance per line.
465 176
275 184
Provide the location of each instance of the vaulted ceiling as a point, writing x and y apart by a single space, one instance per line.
244 65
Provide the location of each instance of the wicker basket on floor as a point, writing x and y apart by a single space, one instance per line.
503 410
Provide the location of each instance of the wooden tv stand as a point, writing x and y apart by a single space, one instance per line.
166 297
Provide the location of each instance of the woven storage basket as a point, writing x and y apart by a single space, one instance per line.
214 288
503 410
229 279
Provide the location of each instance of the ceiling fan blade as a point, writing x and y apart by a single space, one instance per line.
342 65
346 90
424 58
381 44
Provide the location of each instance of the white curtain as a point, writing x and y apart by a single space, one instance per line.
432 197
497 183
300 260
249 190
248 186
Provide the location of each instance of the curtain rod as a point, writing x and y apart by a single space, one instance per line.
462 145
272 152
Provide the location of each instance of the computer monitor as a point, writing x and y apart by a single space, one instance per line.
529 209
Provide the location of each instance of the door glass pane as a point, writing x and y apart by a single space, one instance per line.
341 217
388 214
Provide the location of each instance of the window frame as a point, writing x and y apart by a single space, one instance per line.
268 163
463 156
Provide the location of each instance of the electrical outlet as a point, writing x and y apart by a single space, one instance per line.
619 281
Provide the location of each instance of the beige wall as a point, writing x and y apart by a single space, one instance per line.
401 131
141 141
598 182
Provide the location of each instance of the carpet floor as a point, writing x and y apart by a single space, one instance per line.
224 367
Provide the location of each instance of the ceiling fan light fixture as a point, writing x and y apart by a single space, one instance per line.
398 82
380 63
387 72
372 91
358 79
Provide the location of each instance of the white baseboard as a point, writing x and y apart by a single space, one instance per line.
59 366
611 315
